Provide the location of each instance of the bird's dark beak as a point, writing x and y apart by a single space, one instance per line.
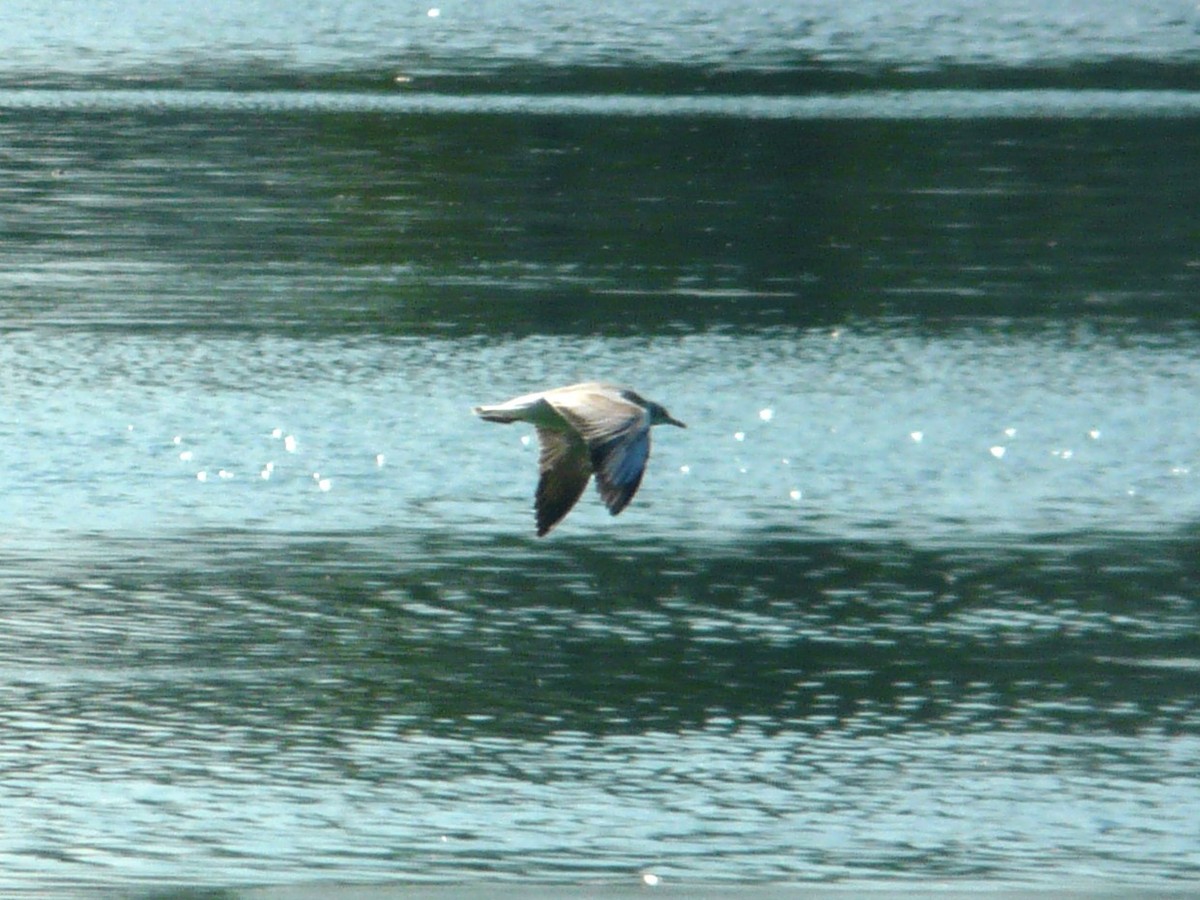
671 421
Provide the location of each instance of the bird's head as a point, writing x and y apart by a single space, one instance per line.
659 416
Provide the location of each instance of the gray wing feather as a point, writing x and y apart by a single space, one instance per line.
618 441
565 469
619 468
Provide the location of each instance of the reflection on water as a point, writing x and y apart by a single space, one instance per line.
362 43
400 705
942 104
356 222
932 437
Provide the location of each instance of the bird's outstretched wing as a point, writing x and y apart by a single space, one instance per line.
565 468
618 442
619 467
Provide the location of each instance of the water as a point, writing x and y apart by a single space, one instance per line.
912 600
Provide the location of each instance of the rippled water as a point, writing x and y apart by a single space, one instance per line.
458 39
386 706
911 601
895 433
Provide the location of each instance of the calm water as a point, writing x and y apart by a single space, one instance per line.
914 599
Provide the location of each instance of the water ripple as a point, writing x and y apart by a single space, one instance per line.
887 105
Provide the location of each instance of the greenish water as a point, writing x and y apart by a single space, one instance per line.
912 601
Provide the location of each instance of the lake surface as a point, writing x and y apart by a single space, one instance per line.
914 600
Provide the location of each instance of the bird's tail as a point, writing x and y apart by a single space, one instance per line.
497 414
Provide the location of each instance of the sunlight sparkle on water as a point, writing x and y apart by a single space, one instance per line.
997 451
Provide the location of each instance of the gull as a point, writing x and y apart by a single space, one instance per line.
585 429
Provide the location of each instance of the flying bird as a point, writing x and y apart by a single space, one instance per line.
585 429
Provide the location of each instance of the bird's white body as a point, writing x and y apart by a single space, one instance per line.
585 429
536 409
